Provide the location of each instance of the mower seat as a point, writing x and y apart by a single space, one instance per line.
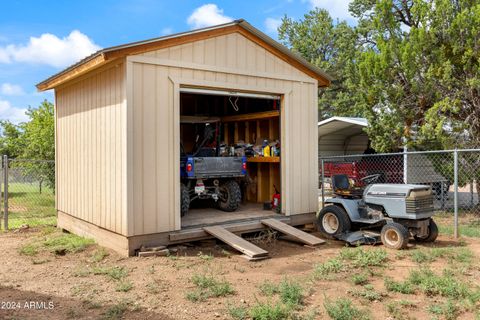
341 187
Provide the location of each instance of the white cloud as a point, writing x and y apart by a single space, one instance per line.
207 15
50 50
15 115
336 8
166 31
9 89
272 24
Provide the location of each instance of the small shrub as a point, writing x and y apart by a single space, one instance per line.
267 311
124 286
324 270
400 287
343 309
153 288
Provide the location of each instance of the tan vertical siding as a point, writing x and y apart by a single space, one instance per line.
153 103
90 148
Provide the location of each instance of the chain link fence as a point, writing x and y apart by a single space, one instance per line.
453 175
28 193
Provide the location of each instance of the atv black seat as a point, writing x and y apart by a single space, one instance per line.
341 187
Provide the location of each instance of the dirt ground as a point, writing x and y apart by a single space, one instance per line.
156 287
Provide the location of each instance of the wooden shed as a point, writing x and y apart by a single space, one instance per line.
118 133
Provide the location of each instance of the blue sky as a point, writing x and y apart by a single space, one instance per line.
40 38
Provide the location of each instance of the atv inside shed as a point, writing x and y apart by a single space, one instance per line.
241 125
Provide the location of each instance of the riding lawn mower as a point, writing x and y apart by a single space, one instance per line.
391 213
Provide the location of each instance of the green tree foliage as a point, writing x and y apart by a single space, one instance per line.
33 140
410 67
10 143
331 46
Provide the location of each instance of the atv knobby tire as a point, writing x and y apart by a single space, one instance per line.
432 233
184 200
333 221
394 236
231 196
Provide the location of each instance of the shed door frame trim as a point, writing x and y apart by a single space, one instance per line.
204 84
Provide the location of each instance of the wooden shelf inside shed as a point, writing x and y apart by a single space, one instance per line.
252 116
264 159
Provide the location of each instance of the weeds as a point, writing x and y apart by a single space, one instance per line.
205 257
30 249
99 255
444 285
367 294
325 270
208 286
115 273
291 293
359 279
237 312
400 287
124 286
67 243
268 311
58 244
364 258
268 288
116 311
449 310
343 309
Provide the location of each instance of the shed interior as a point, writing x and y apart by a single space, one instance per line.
246 123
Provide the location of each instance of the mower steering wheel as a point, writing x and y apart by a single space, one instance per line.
371 178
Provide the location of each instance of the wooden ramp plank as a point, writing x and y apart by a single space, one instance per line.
293 232
236 242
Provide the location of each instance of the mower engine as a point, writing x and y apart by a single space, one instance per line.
408 204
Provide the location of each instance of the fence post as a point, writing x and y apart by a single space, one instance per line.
455 193
323 183
5 192
405 164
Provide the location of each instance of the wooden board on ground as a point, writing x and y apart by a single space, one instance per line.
240 244
293 232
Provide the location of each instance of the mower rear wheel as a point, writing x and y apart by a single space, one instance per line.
332 221
394 236
432 233
231 196
184 200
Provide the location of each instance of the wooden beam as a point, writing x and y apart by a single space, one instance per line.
236 242
264 159
72 73
252 116
293 232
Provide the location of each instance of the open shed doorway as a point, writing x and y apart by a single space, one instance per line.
242 127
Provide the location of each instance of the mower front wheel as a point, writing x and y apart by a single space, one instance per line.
333 221
432 233
394 236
